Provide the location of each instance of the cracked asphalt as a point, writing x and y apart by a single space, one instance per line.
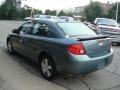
19 73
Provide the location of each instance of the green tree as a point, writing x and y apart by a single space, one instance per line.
47 12
11 10
93 10
69 14
54 12
38 11
24 13
112 12
8 12
62 13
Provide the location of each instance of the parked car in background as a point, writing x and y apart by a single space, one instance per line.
61 47
66 18
27 18
108 27
41 17
92 26
54 17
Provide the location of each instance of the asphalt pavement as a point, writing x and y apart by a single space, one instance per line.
19 73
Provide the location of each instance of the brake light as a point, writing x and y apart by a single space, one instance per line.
110 43
77 49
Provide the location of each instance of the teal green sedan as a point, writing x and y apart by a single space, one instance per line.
61 47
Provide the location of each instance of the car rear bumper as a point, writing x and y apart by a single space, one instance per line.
84 64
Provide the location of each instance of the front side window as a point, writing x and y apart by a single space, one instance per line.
75 28
26 28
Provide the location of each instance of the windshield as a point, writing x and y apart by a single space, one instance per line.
76 29
108 22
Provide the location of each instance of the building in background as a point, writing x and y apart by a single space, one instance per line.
106 7
79 10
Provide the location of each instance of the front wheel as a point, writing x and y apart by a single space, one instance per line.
47 68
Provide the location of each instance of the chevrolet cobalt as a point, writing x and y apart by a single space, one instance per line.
61 47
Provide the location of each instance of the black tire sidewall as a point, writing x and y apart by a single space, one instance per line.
54 72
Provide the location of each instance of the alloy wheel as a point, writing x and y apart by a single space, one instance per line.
46 67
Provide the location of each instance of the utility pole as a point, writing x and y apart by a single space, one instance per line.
117 11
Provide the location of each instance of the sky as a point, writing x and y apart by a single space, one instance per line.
58 4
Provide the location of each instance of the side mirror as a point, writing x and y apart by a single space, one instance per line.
15 31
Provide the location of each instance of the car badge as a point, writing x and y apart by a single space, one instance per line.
100 42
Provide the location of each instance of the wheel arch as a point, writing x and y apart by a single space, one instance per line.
8 39
43 53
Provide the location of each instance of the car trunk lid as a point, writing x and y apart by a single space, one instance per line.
95 46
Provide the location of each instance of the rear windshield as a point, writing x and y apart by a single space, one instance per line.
76 29
108 22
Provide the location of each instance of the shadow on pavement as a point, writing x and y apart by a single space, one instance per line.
63 80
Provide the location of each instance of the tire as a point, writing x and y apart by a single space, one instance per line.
47 68
10 47
119 44
115 44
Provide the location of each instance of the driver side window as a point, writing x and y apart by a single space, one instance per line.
26 29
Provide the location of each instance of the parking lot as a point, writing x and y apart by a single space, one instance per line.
18 73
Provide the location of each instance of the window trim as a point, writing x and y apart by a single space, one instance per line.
50 27
19 29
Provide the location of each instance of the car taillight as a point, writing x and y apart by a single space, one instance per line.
77 49
110 43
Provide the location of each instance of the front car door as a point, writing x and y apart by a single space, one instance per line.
24 30
35 41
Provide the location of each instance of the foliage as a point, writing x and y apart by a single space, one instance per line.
61 13
112 12
93 10
54 12
8 12
49 12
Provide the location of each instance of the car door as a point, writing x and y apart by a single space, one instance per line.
23 31
35 41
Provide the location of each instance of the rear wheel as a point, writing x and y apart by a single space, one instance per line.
47 68
9 47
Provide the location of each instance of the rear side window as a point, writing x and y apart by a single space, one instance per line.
75 28
39 30
43 29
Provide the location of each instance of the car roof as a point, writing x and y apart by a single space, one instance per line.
105 18
57 21
53 21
